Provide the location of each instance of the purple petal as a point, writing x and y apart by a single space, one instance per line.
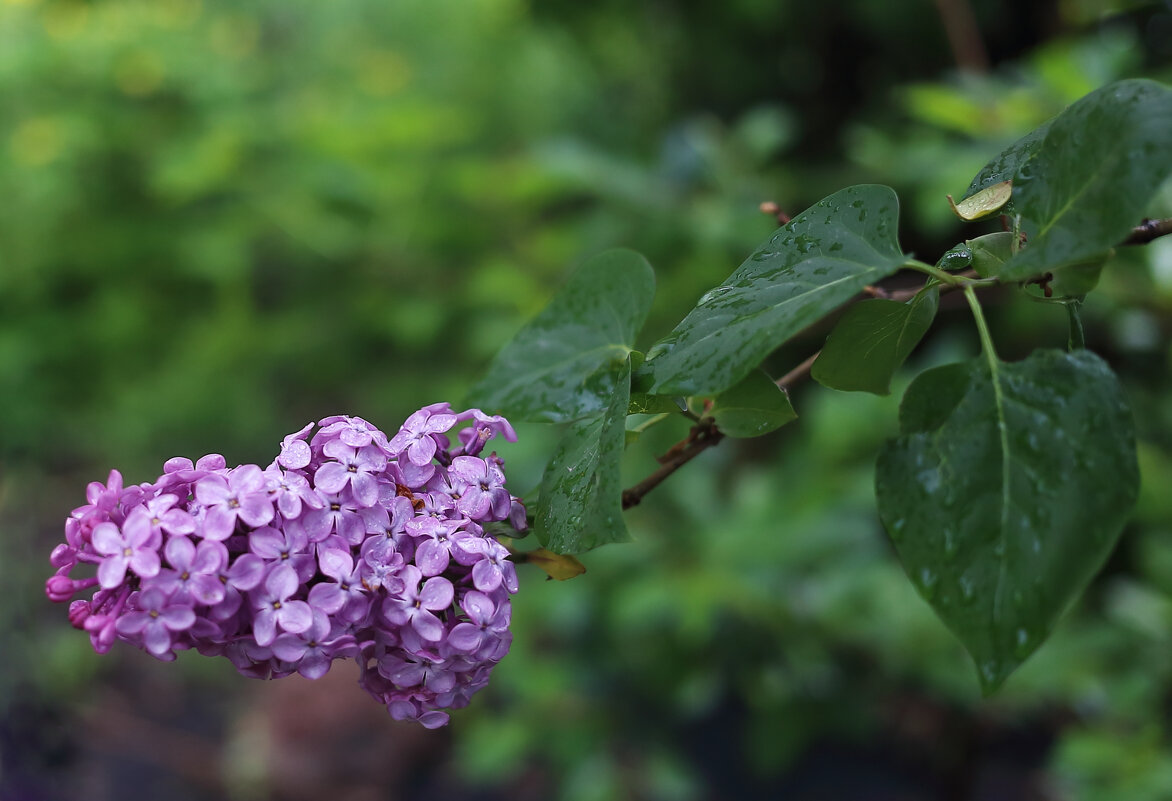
314 666
432 558
327 597
179 552
465 637
436 594
218 523
295 616
107 539
365 489
288 647
247 479
177 618
264 626
336 564
247 571
256 509
212 490
486 576
145 563
421 451
157 639
331 477
281 582
428 625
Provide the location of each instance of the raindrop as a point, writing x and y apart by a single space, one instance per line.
928 581
950 544
712 294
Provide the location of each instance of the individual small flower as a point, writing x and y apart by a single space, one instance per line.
244 574
287 545
194 572
485 496
295 451
313 650
243 495
342 514
353 431
157 617
165 517
274 610
292 492
416 435
487 622
357 468
345 594
134 546
482 430
416 605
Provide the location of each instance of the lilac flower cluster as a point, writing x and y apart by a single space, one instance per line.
350 544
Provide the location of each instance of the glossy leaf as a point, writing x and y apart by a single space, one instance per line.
1005 167
990 252
755 406
1093 176
872 341
565 364
817 262
1006 492
580 506
984 203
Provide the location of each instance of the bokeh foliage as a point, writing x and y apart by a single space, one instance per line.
220 220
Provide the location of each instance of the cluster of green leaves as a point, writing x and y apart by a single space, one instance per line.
1009 483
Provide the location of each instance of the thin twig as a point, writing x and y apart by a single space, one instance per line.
705 434
964 36
700 438
1147 231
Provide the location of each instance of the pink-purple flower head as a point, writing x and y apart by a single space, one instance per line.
349 545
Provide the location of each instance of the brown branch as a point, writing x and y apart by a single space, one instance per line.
705 434
964 37
700 438
1147 231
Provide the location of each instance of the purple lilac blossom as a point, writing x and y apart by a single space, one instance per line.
351 544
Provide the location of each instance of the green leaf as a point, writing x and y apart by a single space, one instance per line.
872 341
817 262
1006 492
1093 176
753 407
580 506
642 403
565 364
981 204
990 252
1005 167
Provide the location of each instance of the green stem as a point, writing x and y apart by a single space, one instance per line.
982 329
1077 339
940 275
646 424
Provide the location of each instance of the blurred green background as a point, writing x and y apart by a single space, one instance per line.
221 220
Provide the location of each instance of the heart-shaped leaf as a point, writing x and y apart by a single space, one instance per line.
872 341
1006 492
580 505
817 262
565 364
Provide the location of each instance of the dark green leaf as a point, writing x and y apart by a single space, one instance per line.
817 262
1093 176
1005 494
872 341
1007 164
958 257
580 506
753 407
565 364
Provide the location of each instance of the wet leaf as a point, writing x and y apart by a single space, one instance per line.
872 341
1009 161
984 203
580 505
1005 493
1093 176
817 262
565 364
753 407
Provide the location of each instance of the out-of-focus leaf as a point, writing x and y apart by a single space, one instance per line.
753 407
814 264
1005 493
990 252
872 341
565 364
